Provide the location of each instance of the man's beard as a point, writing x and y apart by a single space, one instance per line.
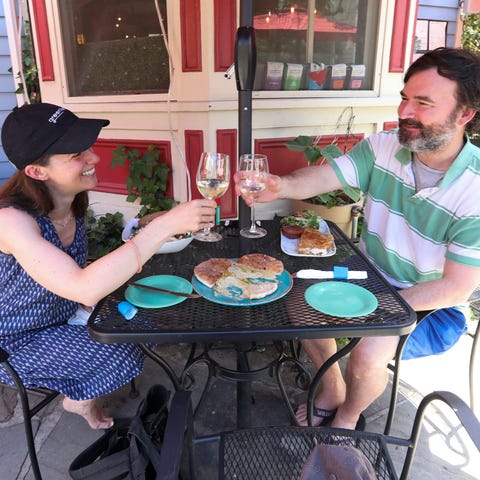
428 138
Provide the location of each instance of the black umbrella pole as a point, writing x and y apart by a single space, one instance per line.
244 144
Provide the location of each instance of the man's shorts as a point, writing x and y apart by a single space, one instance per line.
436 333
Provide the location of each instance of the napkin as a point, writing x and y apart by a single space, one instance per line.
341 273
80 317
127 230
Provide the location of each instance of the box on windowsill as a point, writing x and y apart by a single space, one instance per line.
338 73
316 76
273 76
292 76
355 77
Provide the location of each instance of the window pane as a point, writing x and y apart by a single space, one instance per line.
421 43
114 47
315 44
438 35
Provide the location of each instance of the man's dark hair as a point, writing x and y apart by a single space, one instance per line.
461 66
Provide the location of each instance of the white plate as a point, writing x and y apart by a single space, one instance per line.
171 246
290 245
175 245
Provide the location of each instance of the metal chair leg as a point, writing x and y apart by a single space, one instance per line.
28 414
395 381
471 371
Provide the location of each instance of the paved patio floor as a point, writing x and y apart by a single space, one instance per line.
445 450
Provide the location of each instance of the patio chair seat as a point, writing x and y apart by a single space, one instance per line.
30 411
280 452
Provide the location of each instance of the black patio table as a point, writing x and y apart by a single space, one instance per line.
200 321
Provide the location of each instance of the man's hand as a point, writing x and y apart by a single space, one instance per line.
272 192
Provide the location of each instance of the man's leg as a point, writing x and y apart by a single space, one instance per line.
332 391
366 378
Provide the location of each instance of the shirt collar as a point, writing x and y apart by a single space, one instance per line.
461 163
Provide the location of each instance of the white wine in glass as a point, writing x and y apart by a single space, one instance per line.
252 179
213 178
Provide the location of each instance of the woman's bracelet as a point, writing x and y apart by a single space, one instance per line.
137 254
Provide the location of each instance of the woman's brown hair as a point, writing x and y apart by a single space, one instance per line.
33 196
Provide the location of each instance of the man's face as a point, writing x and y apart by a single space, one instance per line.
428 112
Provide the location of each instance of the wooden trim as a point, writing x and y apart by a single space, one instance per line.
43 40
282 161
225 25
190 27
193 150
399 36
227 143
112 180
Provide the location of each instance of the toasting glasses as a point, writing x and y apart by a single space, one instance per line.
252 179
213 176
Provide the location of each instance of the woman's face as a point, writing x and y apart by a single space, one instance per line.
72 172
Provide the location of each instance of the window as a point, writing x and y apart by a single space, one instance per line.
315 44
430 34
114 47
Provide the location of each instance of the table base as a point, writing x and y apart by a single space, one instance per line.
243 374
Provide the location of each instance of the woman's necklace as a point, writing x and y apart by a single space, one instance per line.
64 222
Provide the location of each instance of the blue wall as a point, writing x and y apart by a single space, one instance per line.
442 10
8 98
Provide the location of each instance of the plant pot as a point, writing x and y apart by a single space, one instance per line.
341 215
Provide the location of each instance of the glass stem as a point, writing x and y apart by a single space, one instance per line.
253 226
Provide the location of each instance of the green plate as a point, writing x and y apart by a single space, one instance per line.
148 299
341 299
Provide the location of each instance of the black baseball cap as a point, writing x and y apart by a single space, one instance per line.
33 130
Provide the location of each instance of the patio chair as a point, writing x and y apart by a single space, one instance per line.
281 452
29 412
395 366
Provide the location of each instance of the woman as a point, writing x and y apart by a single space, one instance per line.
43 250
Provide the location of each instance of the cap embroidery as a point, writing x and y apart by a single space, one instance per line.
56 115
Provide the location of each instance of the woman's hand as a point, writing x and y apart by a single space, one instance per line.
189 216
272 192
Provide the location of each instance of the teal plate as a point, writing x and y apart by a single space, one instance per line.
284 286
341 299
148 299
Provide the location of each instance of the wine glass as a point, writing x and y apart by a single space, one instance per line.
252 179
213 177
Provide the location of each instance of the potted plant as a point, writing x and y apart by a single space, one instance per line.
147 185
147 178
337 205
104 233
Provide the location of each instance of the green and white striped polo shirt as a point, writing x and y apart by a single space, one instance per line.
408 235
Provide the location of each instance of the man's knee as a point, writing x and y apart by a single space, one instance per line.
372 353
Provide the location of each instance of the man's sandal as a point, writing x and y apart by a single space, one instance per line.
324 415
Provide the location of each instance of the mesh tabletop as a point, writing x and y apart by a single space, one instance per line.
290 317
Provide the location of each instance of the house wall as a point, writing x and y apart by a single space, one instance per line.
201 112
442 10
7 88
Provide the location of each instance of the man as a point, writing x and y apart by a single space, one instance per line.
421 226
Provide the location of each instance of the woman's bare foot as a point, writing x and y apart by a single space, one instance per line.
96 417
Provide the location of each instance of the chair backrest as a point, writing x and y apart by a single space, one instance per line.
281 452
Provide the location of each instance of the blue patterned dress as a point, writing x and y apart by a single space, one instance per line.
44 349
